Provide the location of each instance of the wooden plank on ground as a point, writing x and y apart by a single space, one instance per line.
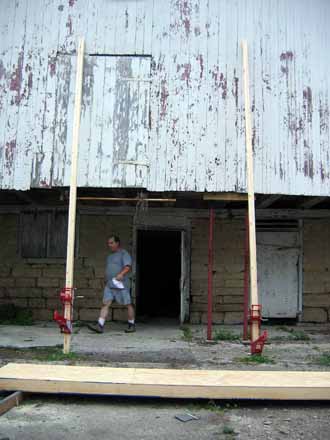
208 384
10 401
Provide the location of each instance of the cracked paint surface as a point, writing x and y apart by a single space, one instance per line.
170 95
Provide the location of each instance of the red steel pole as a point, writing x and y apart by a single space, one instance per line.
246 280
210 276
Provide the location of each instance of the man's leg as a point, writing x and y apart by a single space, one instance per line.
107 301
130 312
99 327
104 312
131 320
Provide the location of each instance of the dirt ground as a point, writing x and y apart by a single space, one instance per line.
299 347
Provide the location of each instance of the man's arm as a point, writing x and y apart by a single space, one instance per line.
123 272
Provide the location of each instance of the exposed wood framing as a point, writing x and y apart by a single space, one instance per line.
210 276
268 201
22 195
307 204
73 188
184 212
10 401
250 186
170 383
125 199
226 197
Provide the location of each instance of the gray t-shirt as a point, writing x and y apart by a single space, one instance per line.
115 263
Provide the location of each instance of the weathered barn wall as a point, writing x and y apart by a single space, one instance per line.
179 107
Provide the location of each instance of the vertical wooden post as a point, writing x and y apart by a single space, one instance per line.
250 188
246 280
210 276
68 311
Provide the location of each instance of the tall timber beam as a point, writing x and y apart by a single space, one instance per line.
73 190
254 301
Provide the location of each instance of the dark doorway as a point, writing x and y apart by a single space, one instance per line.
158 273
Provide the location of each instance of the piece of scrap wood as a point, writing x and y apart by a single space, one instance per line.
10 401
187 417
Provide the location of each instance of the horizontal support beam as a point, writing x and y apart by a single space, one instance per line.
307 204
180 212
268 201
226 197
126 199
24 196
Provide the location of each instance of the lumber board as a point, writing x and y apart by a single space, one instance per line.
10 401
68 309
250 187
167 383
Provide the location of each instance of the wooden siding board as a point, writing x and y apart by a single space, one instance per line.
159 103
141 172
34 235
197 121
108 112
93 120
7 52
64 79
213 157
14 94
182 145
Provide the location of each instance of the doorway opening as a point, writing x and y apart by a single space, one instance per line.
158 274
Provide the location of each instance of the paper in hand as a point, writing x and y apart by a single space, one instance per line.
118 284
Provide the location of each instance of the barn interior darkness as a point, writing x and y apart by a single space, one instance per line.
158 274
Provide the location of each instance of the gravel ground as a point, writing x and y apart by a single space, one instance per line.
301 347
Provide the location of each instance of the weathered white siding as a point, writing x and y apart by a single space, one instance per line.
187 122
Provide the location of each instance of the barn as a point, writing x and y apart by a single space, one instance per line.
161 142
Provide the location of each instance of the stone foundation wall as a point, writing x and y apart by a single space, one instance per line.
35 284
316 290
228 271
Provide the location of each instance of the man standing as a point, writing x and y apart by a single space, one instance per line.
118 265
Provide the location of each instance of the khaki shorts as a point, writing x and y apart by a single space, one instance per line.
121 296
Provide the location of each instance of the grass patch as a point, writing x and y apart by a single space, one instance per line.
228 430
225 335
295 335
324 359
214 407
211 405
187 334
54 354
255 359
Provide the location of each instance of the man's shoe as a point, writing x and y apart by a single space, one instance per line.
130 328
97 328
